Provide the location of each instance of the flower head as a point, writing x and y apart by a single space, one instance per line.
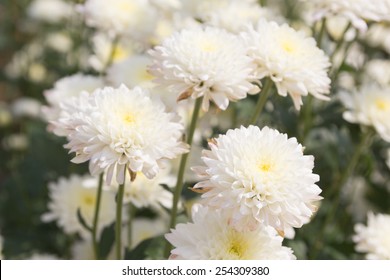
290 58
66 88
210 237
208 62
120 17
374 239
357 11
262 176
118 127
369 106
68 195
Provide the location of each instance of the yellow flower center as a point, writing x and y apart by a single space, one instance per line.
237 246
382 105
289 46
119 54
89 200
207 46
145 76
128 118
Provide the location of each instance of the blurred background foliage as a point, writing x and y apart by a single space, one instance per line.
30 157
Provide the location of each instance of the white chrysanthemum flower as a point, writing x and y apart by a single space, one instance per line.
207 62
143 229
357 11
131 72
280 53
105 50
379 71
66 88
374 239
210 237
369 106
121 17
26 107
237 15
52 11
262 176
378 35
67 195
60 42
117 127
144 192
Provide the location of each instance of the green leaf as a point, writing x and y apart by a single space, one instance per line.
82 221
106 241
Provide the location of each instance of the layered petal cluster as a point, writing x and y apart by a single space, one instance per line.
369 106
357 11
211 237
208 62
68 195
66 88
262 176
118 127
121 17
374 239
290 58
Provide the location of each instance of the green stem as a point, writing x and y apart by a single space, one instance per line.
96 217
182 167
118 223
322 32
263 95
130 225
306 114
263 3
339 43
337 186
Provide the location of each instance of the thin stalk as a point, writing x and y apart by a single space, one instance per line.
96 217
322 32
336 188
118 222
306 114
182 167
263 95
263 3
339 43
111 55
130 225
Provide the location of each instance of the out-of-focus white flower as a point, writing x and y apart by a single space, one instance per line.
262 176
210 237
355 191
5 115
356 57
143 229
131 72
369 106
51 11
26 107
336 26
67 195
17 142
167 4
235 15
374 239
66 88
135 18
83 249
280 51
107 51
206 62
37 72
118 127
42 256
59 41
145 192
356 11
378 35
379 71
